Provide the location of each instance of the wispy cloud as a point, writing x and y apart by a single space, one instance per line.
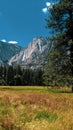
48 5
13 42
10 42
3 40
44 10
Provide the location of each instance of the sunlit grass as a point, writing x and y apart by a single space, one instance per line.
23 88
35 108
35 89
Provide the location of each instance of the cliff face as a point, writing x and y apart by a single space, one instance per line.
34 56
7 51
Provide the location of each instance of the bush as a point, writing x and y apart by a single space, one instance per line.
2 82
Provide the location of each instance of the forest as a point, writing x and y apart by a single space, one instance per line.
39 108
59 69
15 76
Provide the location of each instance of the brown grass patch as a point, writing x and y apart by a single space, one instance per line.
36 111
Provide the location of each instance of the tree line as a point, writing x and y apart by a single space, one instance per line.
59 69
16 76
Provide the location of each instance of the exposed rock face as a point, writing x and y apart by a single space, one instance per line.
7 51
34 56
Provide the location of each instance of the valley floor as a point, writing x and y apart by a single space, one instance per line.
35 108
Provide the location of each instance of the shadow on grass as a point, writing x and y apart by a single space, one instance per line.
11 89
23 88
60 91
37 89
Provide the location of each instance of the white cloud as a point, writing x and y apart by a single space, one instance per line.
13 42
10 42
48 4
44 10
3 40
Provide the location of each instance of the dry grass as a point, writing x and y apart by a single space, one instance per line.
35 109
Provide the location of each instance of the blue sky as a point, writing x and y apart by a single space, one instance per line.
22 20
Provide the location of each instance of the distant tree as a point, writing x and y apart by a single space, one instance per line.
17 70
39 77
32 77
17 80
10 75
27 77
17 76
2 82
1 71
4 73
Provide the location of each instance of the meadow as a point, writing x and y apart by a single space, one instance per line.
35 108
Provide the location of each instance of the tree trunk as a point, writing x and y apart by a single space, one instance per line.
71 58
71 38
72 89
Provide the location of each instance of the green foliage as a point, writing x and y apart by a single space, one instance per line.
38 77
2 82
59 69
27 77
17 80
61 17
44 115
9 75
16 76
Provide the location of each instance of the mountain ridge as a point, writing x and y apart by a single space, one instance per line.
34 56
7 51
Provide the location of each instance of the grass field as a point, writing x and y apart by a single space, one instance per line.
35 108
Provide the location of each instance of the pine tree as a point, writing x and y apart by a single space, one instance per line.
10 75
38 77
17 80
1 71
27 77
60 65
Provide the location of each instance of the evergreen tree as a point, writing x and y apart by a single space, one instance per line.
39 77
1 71
27 77
10 75
2 82
17 70
57 70
17 80
60 64
4 73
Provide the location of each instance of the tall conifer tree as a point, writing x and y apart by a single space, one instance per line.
60 21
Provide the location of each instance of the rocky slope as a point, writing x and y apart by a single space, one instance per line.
34 56
7 51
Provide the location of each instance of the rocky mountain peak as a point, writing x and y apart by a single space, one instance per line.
34 55
7 51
